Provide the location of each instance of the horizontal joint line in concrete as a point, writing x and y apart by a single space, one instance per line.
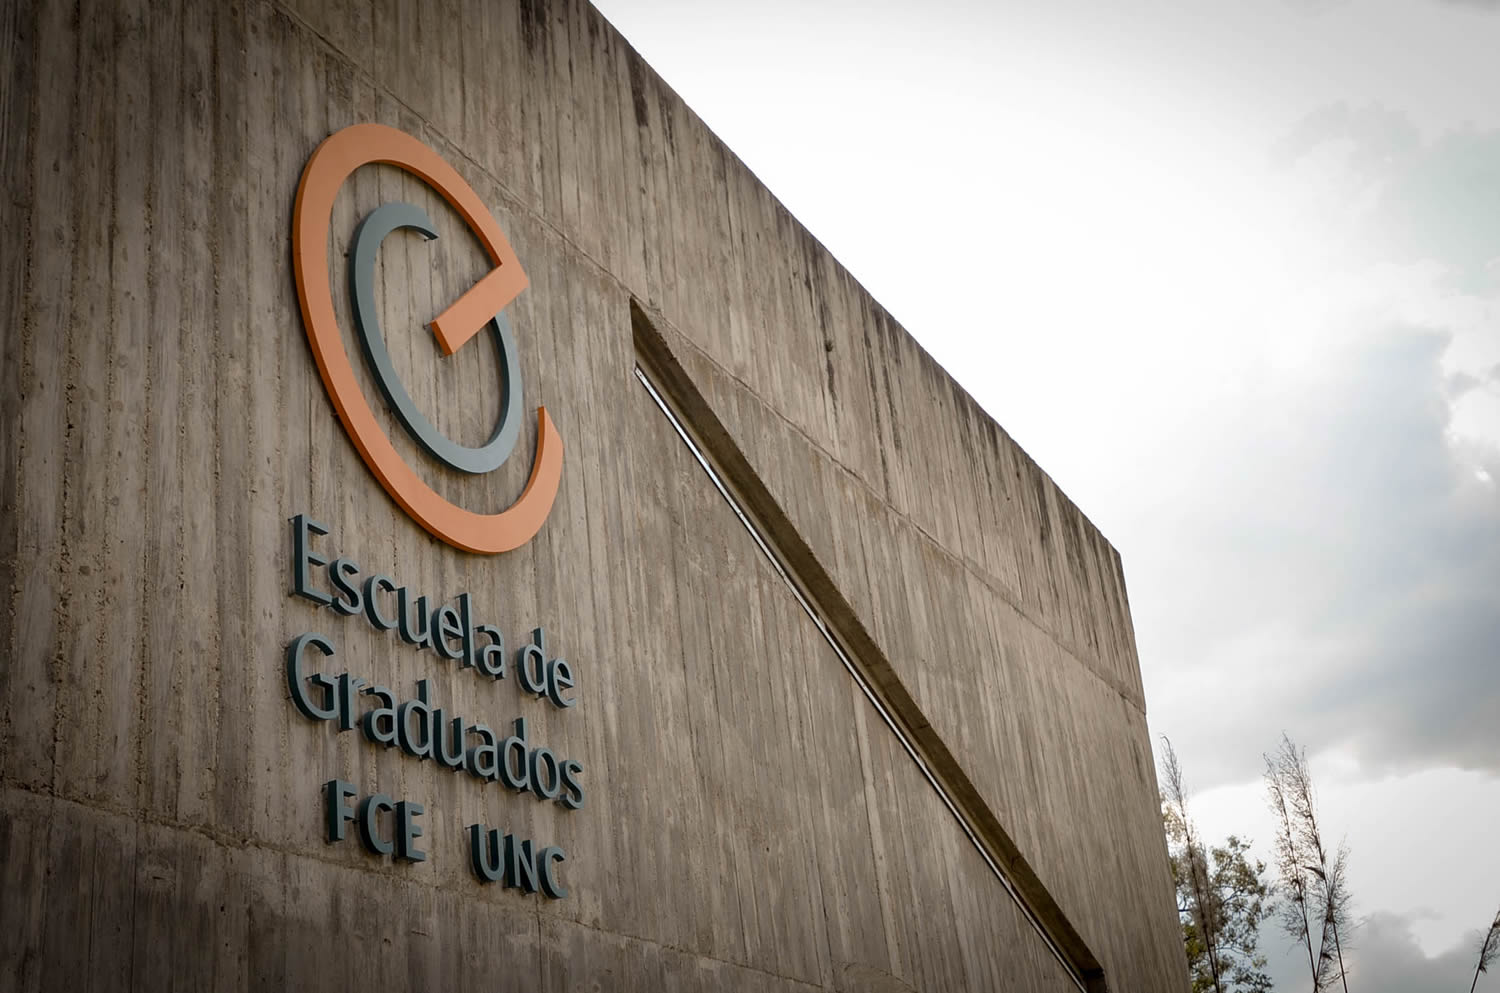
19 795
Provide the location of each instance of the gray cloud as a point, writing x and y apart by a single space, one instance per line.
1314 6
1445 204
1460 383
1338 574
1347 573
1376 138
1436 200
1409 580
1383 957
1479 4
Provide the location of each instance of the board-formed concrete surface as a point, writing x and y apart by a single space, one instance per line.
751 821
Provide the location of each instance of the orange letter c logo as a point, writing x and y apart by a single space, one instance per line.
331 164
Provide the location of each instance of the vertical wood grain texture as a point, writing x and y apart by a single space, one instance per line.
40 424
19 25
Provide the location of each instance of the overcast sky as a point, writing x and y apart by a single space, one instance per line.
1230 271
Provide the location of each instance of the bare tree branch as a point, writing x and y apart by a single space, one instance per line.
1489 950
1176 801
1288 861
1316 880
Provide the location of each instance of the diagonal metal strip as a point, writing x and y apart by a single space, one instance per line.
715 451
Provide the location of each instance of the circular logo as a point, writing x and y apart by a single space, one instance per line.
482 306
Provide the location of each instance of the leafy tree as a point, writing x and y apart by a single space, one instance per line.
1221 897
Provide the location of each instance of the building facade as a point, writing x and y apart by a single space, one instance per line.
764 661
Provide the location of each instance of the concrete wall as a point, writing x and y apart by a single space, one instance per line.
751 822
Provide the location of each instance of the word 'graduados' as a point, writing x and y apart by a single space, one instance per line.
426 732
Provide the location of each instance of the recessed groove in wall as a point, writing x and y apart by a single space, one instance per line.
715 451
